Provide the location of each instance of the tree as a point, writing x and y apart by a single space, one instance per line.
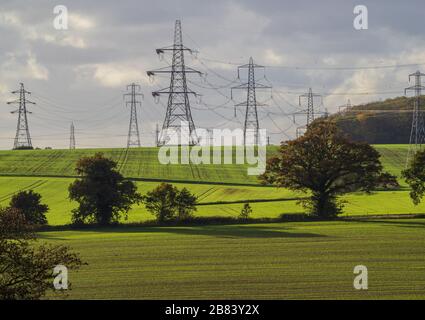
326 164
415 176
387 181
167 202
185 203
29 204
102 192
245 212
26 270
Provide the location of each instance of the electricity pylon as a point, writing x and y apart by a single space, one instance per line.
133 138
156 135
178 114
308 111
345 108
417 132
251 125
72 137
22 137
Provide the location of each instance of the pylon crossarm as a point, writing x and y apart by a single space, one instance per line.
169 91
253 65
172 47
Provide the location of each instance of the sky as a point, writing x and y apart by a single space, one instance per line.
80 74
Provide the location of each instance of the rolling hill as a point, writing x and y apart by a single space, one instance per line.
387 121
142 163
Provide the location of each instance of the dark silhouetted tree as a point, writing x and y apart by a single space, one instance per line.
104 196
185 203
167 202
29 204
26 269
245 212
324 163
415 176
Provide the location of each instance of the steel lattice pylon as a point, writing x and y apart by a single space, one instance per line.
72 137
133 138
22 137
178 114
417 133
251 125
309 111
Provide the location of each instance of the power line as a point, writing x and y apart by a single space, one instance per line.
321 68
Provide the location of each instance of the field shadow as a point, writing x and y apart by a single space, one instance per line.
404 222
233 231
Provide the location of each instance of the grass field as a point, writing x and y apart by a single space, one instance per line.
143 163
253 261
266 202
216 199
262 261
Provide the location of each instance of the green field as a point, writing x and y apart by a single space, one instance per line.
307 260
142 163
263 261
49 173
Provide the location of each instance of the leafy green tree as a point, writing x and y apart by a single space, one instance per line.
415 176
185 203
161 201
325 164
102 192
167 202
245 212
26 268
29 203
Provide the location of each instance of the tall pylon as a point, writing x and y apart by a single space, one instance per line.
178 115
310 104
251 125
309 110
157 135
22 137
133 138
72 137
417 132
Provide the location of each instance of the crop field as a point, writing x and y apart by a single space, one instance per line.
252 261
142 163
49 173
262 261
214 200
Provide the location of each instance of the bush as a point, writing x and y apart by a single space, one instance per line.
29 204
167 202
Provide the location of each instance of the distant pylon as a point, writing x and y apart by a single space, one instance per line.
309 110
310 105
346 108
157 136
417 132
133 138
72 137
251 125
22 137
178 112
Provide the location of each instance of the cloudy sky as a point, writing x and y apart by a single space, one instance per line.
80 74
